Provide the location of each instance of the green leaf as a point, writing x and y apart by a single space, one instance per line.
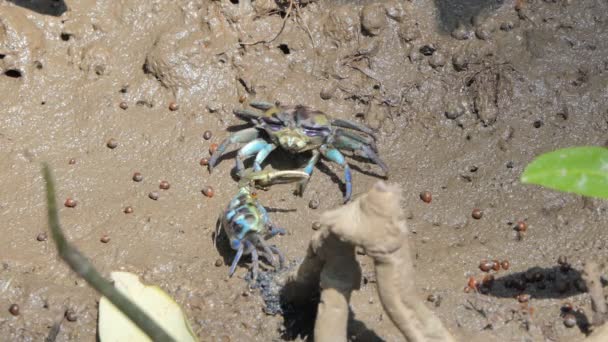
581 170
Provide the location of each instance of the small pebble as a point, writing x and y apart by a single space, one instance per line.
437 60
72 161
521 226
431 298
112 143
173 106
153 195
505 264
70 203
207 135
204 162
14 309
538 124
128 210
164 185
477 214
105 238
461 33
242 98
415 56
70 315
137 177
483 33
316 225
569 320
426 197
212 148
42 237
523 298
208 191
218 262
460 62
123 105
313 204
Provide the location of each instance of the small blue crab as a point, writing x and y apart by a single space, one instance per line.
247 223
298 129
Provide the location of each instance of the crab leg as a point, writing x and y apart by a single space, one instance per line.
237 257
243 136
257 146
353 125
346 142
310 166
261 105
254 264
337 157
279 254
272 229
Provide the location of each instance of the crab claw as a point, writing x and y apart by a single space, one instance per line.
265 178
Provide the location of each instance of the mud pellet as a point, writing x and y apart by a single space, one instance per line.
505 264
204 161
137 177
521 227
72 161
523 298
164 185
208 191
128 210
70 315
437 60
123 105
569 320
313 204
242 98
538 124
212 148
496 265
153 195
316 225
42 237
207 135
14 309
112 143
431 298
218 262
173 106
477 214
426 197
485 265
105 238
70 203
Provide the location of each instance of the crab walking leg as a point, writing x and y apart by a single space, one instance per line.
254 264
310 166
337 157
243 136
272 229
279 254
237 257
349 143
353 125
260 148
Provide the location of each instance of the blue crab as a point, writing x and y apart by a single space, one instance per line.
247 224
298 129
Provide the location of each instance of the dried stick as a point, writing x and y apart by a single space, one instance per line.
79 264
264 41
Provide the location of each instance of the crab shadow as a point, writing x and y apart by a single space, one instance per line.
451 13
47 7
540 283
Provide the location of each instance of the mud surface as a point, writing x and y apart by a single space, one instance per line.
463 97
